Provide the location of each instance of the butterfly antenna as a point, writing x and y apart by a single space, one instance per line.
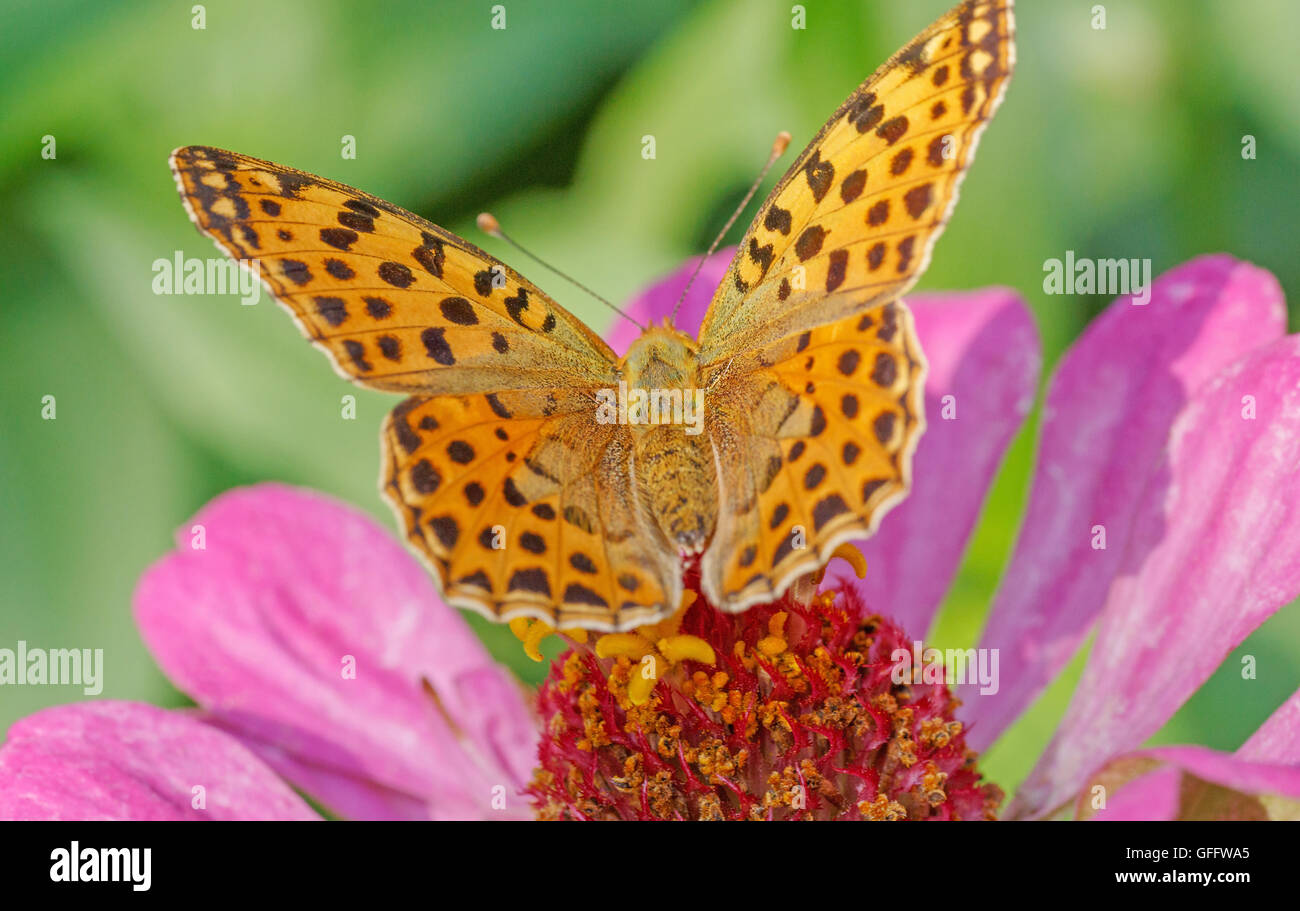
778 149
490 226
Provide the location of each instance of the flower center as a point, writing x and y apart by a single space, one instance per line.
786 711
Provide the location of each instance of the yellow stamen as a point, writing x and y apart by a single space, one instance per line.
531 633
680 648
774 643
662 643
641 682
851 555
536 633
633 645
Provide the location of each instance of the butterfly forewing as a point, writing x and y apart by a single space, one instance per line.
395 301
852 223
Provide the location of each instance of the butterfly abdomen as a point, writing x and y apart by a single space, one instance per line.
677 479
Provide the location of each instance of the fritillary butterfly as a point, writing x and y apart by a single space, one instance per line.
527 505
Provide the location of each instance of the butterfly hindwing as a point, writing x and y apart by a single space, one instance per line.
524 512
852 223
829 437
396 302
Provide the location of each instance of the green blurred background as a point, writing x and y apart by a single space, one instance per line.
1117 142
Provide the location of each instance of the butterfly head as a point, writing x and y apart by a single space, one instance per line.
661 358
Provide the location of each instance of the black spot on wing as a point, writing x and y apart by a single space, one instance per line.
820 174
430 255
836 269
424 477
530 580
435 343
853 185
582 563
809 243
390 347
361 206
339 269
396 274
357 222
407 438
458 310
447 530
577 593
777 219
893 130
339 238
828 508
494 402
296 271
331 309
357 354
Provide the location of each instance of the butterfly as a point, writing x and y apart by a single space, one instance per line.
525 501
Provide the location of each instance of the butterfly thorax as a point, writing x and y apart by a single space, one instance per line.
666 414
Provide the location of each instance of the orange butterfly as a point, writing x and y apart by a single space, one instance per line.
526 499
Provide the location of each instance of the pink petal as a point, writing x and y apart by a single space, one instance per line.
346 796
1106 419
983 350
1157 794
1214 551
128 760
1152 796
657 302
1278 738
291 589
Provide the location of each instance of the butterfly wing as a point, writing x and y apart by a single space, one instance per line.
527 511
819 375
499 436
395 302
814 450
852 223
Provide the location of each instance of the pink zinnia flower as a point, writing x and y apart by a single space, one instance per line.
319 653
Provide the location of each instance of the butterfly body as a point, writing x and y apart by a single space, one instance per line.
806 380
673 461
